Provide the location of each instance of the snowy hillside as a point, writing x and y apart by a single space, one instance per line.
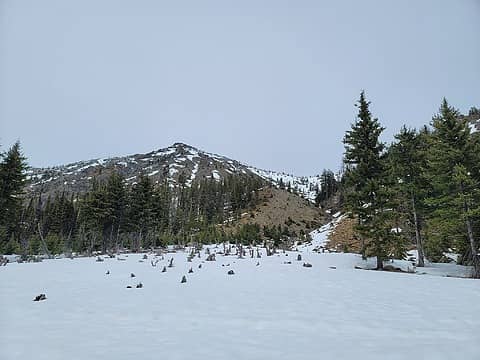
179 162
307 186
270 308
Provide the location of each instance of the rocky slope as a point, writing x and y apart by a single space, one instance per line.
179 163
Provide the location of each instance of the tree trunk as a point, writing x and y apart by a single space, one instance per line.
473 247
44 244
421 256
362 243
471 239
379 263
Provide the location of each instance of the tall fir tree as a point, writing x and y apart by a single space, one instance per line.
454 196
367 195
408 161
12 184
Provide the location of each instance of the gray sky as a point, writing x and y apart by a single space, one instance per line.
269 83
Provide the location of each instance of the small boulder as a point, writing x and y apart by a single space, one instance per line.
132 275
307 265
139 286
40 297
231 272
108 272
199 266
129 286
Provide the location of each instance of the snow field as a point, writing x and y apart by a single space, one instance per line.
272 311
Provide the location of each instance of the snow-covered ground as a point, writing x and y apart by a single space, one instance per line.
275 310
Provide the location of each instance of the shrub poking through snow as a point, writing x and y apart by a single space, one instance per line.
170 264
184 279
164 269
190 271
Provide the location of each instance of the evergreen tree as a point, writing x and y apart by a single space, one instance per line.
367 195
12 183
408 161
454 196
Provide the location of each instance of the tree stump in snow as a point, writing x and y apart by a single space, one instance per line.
299 257
40 297
184 279
145 256
211 257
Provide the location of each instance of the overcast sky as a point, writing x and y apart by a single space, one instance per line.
270 83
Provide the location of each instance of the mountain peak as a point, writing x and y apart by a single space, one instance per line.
178 162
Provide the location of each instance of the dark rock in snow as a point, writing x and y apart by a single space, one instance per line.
132 275
190 271
108 272
164 269
299 257
308 265
139 286
40 297
231 272
184 279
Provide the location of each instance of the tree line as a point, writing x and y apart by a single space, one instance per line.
422 188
